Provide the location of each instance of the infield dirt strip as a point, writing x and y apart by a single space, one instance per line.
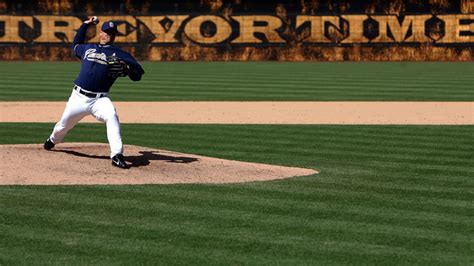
357 113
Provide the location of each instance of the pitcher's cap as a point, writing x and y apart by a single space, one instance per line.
109 26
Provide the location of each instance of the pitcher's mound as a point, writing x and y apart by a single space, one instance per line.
89 163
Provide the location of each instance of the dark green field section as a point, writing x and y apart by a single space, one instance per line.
253 81
386 195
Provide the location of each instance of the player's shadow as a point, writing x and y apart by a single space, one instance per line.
139 160
80 154
147 156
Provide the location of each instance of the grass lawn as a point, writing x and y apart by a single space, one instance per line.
386 195
257 81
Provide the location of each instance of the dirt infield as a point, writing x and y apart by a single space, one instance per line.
89 163
358 113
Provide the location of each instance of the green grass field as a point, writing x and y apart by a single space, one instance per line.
386 195
258 81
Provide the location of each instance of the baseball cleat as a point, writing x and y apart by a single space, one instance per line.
118 161
48 145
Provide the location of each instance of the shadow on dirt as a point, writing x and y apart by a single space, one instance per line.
147 156
139 160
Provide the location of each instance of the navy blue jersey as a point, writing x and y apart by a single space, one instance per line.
93 76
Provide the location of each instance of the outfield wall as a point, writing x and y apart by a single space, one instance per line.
280 36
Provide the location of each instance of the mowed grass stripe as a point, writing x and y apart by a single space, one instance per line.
124 95
272 203
331 225
252 85
306 80
328 192
403 156
270 218
400 147
264 94
237 246
242 209
301 86
399 138
323 196
263 199
156 73
258 81
24 83
361 132
232 92
294 78
399 154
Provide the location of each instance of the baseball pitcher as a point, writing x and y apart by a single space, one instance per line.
101 65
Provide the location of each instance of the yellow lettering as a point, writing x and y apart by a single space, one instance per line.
248 29
163 34
454 28
51 25
391 23
12 29
193 29
317 33
418 28
356 29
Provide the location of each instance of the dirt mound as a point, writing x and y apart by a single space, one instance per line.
89 163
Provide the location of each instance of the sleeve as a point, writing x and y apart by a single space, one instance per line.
136 70
79 50
78 45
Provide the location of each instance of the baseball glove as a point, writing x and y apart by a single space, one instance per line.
116 67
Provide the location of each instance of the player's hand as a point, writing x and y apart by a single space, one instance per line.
93 20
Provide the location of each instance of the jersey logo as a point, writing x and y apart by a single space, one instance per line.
91 55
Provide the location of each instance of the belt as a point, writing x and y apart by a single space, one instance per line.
89 94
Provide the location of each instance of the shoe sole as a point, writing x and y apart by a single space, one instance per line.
48 146
119 166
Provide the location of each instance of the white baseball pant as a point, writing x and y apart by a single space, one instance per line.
102 109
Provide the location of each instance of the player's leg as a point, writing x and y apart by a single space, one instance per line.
104 110
76 109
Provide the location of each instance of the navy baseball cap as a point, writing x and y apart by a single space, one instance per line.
109 26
